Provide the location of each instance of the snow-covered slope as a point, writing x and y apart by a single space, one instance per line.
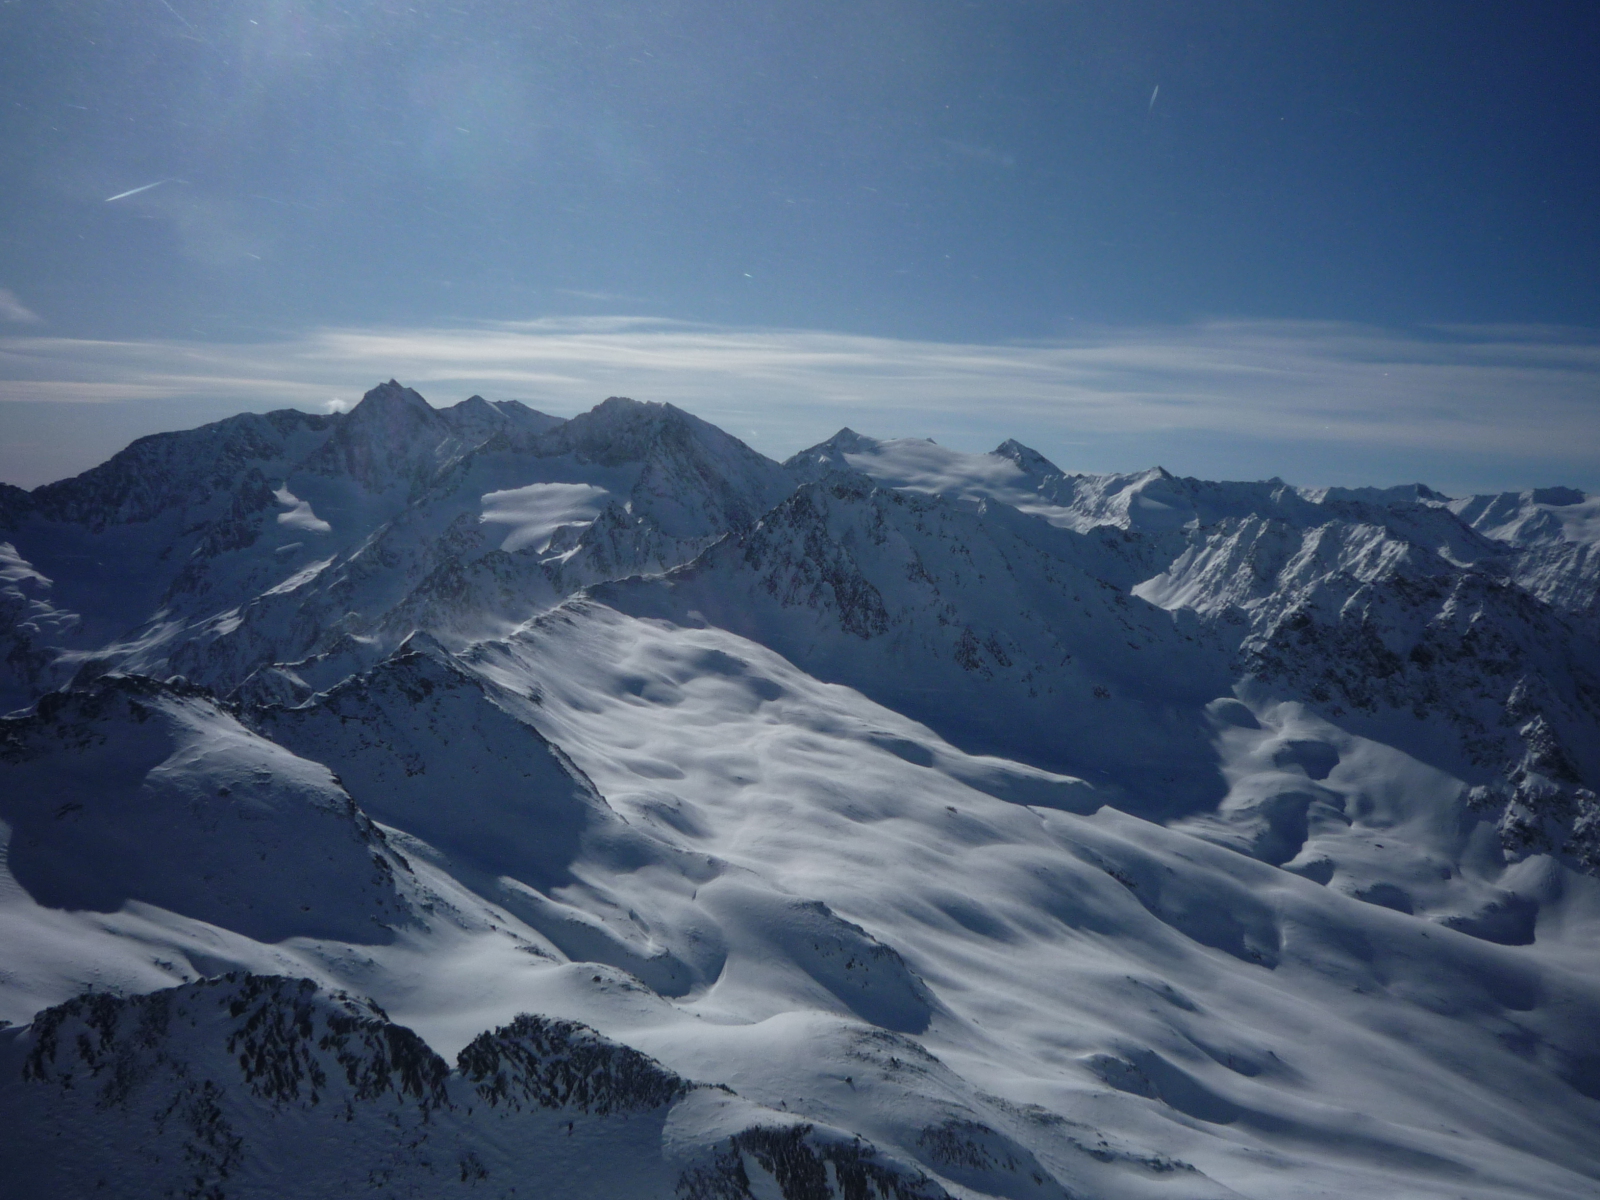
287 537
1002 632
1557 535
1463 630
959 826
1148 502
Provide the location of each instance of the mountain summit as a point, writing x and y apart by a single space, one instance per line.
596 807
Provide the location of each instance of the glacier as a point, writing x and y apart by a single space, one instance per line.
431 799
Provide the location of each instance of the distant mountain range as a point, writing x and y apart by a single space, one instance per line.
889 821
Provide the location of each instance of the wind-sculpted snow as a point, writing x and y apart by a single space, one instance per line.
1167 1017
996 629
1239 997
839 962
532 514
971 827
450 758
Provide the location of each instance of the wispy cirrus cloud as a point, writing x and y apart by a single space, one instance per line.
1236 398
12 309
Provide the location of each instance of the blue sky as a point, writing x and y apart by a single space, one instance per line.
1315 196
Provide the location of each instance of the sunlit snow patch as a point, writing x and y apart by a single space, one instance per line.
14 569
538 510
299 515
299 579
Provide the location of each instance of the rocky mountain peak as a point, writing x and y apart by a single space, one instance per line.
393 436
848 441
617 430
476 420
817 461
621 431
1029 459
392 411
474 407
392 397
183 469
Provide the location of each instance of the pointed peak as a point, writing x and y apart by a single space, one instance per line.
1149 475
813 461
846 441
475 416
391 397
1026 457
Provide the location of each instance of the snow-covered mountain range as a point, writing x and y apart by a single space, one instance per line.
430 800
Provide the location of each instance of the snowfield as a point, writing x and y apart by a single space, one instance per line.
433 800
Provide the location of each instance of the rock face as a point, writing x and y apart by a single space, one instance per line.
538 1063
417 800
262 1085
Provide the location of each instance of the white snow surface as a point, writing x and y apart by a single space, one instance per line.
1541 514
1031 835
